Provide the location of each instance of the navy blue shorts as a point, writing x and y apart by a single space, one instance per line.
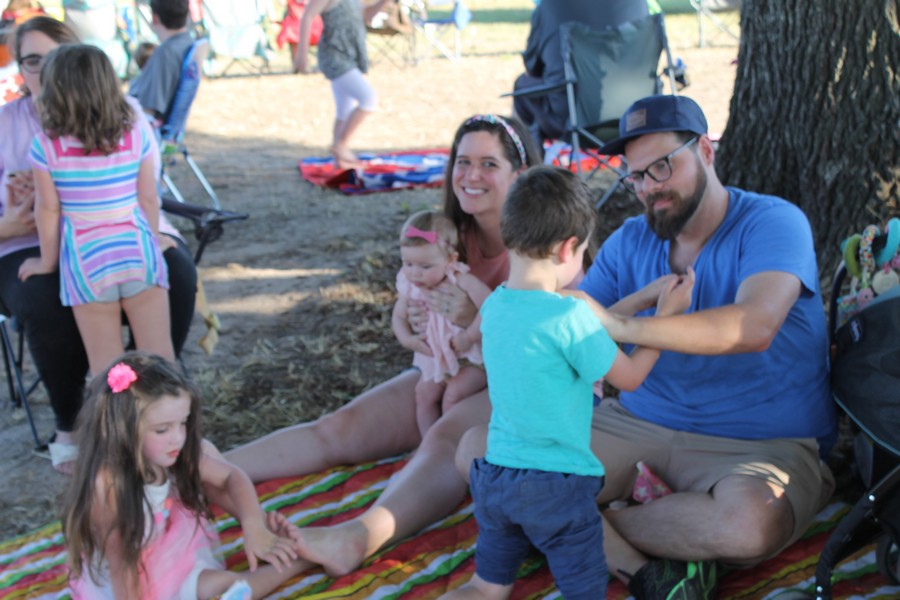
557 513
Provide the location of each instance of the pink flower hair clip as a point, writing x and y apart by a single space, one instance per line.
120 377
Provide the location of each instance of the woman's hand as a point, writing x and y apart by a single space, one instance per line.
452 302
18 217
165 242
34 266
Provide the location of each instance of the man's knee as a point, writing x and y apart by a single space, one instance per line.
757 519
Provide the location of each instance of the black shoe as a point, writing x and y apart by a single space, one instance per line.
664 579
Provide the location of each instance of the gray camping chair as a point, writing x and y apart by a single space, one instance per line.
606 70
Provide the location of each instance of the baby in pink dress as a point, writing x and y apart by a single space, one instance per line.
448 356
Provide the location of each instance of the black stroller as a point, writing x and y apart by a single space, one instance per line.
866 385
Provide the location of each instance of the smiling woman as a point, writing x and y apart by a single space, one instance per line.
487 155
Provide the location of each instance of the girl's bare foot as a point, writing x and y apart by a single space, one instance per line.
344 158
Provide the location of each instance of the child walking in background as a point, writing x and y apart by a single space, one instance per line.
96 207
428 249
135 518
343 59
538 483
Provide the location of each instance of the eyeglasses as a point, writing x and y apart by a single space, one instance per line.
659 171
32 63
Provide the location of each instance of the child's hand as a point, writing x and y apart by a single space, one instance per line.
675 296
461 342
418 344
648 296
280 526
34 266
261 543
417 315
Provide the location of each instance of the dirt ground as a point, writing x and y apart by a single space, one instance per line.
303 288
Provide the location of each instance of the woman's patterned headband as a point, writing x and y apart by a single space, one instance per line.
498 120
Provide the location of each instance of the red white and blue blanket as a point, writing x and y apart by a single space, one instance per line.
385 172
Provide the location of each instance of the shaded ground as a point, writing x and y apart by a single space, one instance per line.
304 287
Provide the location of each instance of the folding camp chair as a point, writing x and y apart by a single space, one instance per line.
95 23
207 221
235 29
436 30
392 35
171 132
13 359
606 70
707 10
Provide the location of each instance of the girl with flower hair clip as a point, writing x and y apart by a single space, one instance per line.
448 356
136 518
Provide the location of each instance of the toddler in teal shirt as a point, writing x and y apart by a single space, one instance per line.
538 483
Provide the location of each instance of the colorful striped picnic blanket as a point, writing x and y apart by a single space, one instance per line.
438 558
385 172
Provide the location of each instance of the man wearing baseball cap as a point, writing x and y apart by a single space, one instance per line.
736 414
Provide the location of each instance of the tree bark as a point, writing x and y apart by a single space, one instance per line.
815 114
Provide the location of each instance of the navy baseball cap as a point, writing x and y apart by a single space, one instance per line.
656 114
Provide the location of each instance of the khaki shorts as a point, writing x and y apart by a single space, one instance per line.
691 462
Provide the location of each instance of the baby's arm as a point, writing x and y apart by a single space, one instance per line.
230 487
629 372
313 9
46 212
405 335
478 293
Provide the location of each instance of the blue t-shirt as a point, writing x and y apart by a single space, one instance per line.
542 353
780 392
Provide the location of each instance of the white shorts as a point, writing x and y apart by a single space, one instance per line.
352 90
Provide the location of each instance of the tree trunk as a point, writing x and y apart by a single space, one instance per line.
815 115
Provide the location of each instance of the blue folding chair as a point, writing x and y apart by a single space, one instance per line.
208 221
435 30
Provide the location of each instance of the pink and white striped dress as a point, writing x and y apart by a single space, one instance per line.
105 239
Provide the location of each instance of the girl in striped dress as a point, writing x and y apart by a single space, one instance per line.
96 207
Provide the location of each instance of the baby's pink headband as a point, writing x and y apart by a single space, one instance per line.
429 236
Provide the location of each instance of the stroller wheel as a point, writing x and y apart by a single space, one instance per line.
888 557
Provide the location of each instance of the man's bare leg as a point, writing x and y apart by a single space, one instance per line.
427 489
379 423
742 521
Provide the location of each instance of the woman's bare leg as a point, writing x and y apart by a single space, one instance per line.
376 424
425 490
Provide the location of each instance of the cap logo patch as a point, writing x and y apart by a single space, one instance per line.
636 119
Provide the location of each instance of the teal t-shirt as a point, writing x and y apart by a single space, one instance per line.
542 353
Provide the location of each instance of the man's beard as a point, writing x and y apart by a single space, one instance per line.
669 223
